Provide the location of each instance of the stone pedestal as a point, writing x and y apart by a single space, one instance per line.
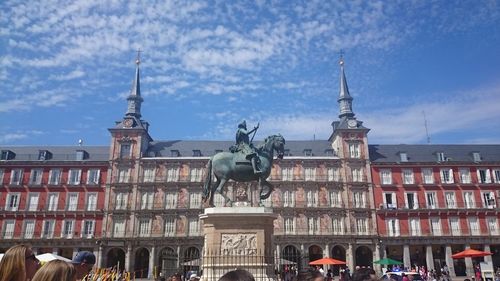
238 238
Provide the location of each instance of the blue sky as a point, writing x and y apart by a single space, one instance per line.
66 68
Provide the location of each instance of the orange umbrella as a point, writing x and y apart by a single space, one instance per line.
326 261
470 253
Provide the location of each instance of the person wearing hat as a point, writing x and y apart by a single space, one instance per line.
83 262
243 144
194 277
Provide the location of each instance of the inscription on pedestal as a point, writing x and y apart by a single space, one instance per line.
239 244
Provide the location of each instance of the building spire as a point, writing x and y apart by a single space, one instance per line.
134 99
345 99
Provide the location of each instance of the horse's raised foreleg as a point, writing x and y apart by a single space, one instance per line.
265 192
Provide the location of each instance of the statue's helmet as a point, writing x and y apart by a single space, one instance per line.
243 125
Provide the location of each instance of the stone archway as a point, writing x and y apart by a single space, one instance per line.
291 258
191 260
115 257
141 265
168 261
338 253
364 256
315 253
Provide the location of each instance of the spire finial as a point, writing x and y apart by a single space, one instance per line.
138 59
341 60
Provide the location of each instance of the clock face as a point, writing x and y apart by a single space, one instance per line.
127 123
352 123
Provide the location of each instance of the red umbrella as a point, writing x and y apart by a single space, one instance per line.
326 261
470 253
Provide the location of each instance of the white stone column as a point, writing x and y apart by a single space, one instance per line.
376 257
326 254
100 257
75 251
55 251
350 257
429 258
152 260
178 256
449 261
469 267
128 259
488 259
303 253
406 257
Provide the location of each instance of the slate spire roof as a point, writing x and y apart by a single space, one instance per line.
345 99
134 99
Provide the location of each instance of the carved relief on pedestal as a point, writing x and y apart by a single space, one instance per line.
239 244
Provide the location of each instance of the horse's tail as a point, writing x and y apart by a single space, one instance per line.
208 181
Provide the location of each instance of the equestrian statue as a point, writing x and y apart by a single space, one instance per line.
243 163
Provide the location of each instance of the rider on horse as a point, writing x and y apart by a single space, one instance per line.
244 145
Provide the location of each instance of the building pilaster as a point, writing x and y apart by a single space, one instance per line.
469 267
406 257
152 264
350 257
449 261
429 258
488 259
128 258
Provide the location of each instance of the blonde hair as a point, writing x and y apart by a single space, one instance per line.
13 264
56 270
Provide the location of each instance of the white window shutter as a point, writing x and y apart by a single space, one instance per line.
385 200
488 176
394 201
397 227
415 199
441 174
478 176
451 176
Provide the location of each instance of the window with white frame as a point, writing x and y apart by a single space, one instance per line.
68 229
287 174
33 198
144 227
125 149
415 226
123 175
411 200
29 229
173 174
289 225
312 198
48 228
496 175
427 176
74 176
313 226
195 200
392 227
16 176
88 228
359 200
333 174
194 227
288 198
121 200
147 200
72 201
483 176
436 226
493 225
196 174
13 201
170 200
386 176
431 200
408 176
362 226
55 176
354 150
169 226
451 201
335 198
357 174
52 201
310 174
464 175
1 176
489 199
469 201
8 229
91 201
440 157
446 175
93 176
474 226
337 225
390 201
36 177
148 175
403 157
119 227
455 226
476 156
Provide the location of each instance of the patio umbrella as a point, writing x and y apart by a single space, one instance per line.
470 253
327 261
49 257
387 261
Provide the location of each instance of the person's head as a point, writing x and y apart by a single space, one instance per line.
364 274
194 277
243 125
237 275
18 264
83 263
176 277
56 270
309 275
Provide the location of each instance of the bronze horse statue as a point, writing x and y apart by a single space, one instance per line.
226 165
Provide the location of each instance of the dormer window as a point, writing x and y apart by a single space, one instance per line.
307 152
403 157
329 152
7 155
440 157
125 149
175 153
196 153
81 155
476 156
44 155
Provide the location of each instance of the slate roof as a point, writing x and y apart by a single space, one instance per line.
427 153
58 153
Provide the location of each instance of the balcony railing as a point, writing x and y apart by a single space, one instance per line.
40 234
442 233
457 205
29 209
